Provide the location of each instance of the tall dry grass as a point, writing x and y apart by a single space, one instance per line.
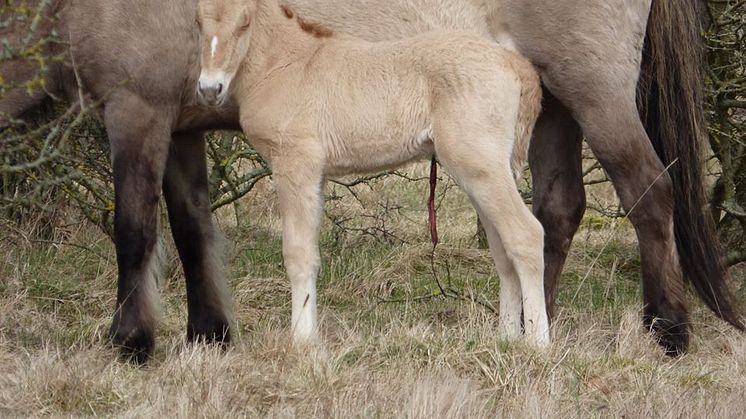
384 350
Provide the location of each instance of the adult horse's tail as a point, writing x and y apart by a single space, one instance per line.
671 92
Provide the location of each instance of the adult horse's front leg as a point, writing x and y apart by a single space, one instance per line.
558 194
299 191
139 139
197 239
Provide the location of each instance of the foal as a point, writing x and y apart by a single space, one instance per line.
315 104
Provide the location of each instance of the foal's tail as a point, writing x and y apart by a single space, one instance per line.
528 112
670 96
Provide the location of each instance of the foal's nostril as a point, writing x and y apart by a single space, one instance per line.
210 90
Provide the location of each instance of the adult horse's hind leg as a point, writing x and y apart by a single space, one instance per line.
593 68
139 137
197 239
620 143
558 194
607 112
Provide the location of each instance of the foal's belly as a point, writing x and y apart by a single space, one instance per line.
361 155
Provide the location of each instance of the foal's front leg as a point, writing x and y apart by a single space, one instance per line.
300 200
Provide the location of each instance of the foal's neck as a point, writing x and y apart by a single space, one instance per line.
278 39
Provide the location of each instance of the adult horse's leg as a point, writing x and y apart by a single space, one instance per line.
139 137
197 239
593 70
643 184
592 65
558 193
672 94
601 95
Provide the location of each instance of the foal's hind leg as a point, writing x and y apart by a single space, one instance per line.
558 194
511 305
197 239
139 139
483 170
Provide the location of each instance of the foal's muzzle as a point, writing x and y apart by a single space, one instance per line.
212 88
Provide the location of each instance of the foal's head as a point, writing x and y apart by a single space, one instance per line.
225 29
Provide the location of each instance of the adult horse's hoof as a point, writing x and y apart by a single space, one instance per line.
135 343
212 331
673 336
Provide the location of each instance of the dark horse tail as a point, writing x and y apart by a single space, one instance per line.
671 101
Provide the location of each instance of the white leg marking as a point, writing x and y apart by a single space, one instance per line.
301 205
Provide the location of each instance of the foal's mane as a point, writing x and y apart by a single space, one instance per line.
315 29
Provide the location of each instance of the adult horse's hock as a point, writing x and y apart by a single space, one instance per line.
140 58
316 104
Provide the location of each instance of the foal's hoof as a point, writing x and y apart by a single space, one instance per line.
135 344
673 336
211 332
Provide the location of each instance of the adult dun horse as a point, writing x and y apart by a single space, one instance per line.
331 105
140 57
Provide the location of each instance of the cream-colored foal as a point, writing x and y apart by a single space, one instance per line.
316 104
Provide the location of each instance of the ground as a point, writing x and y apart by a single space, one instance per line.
388 347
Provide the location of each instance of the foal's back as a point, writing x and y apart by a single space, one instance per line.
382 99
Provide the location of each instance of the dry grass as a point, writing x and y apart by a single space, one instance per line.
384 353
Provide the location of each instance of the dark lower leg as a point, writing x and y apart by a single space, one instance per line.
136 237
139 138
197 240
558 194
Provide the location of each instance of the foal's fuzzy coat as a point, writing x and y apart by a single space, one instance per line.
315 104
